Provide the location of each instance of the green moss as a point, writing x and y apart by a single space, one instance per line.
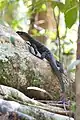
33 78
3 74
36 83
73 107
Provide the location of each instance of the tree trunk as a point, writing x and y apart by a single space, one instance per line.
44 20
78 74
20 69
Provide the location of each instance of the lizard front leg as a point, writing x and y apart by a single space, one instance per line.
30 48
31 51
35 48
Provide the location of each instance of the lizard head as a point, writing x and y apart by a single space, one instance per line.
22 35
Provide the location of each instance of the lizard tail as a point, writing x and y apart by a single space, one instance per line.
57 72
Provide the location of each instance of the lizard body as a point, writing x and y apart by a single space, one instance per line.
45 53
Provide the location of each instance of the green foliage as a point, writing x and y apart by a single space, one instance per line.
3 4
37 6
70 16
60 5
16 23
51 34
70 10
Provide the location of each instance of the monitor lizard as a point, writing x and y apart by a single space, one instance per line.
45 53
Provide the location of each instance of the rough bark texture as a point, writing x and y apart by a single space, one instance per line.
78 93
78 74
20 69
18 107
